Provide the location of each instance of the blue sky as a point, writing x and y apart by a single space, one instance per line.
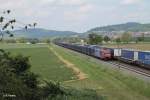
78 15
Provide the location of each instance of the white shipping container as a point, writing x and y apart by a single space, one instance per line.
135 56
117 52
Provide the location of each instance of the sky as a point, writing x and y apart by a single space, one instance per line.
78 15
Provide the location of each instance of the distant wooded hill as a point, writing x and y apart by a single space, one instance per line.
131 26
42 33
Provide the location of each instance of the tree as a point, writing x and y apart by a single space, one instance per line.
10 82
7 23
46 40
95 39
126 37
141 38
52 89
18 60
10 41
118 40
21 40
106 38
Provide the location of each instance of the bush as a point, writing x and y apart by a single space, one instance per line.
16 79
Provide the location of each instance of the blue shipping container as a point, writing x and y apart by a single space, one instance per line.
144 57
127 54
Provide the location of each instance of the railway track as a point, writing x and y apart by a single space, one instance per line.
132 68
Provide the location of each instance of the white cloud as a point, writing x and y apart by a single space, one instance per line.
64 14
86 8
46 1
71 2
79 14
130 2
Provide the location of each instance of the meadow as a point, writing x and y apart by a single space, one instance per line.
43 61
99 82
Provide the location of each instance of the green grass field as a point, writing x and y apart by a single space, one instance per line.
20 45
43 61
106 83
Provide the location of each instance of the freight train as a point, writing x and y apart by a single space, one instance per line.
139 58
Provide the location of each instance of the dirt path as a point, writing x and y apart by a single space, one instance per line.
76 70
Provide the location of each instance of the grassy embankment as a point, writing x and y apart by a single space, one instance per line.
109 83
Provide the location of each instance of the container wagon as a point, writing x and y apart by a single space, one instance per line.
144 59
127 56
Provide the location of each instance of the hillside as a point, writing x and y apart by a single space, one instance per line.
41 33
131 26
105 30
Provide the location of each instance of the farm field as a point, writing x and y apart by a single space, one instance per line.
43 61
20 45
139 46
109 83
